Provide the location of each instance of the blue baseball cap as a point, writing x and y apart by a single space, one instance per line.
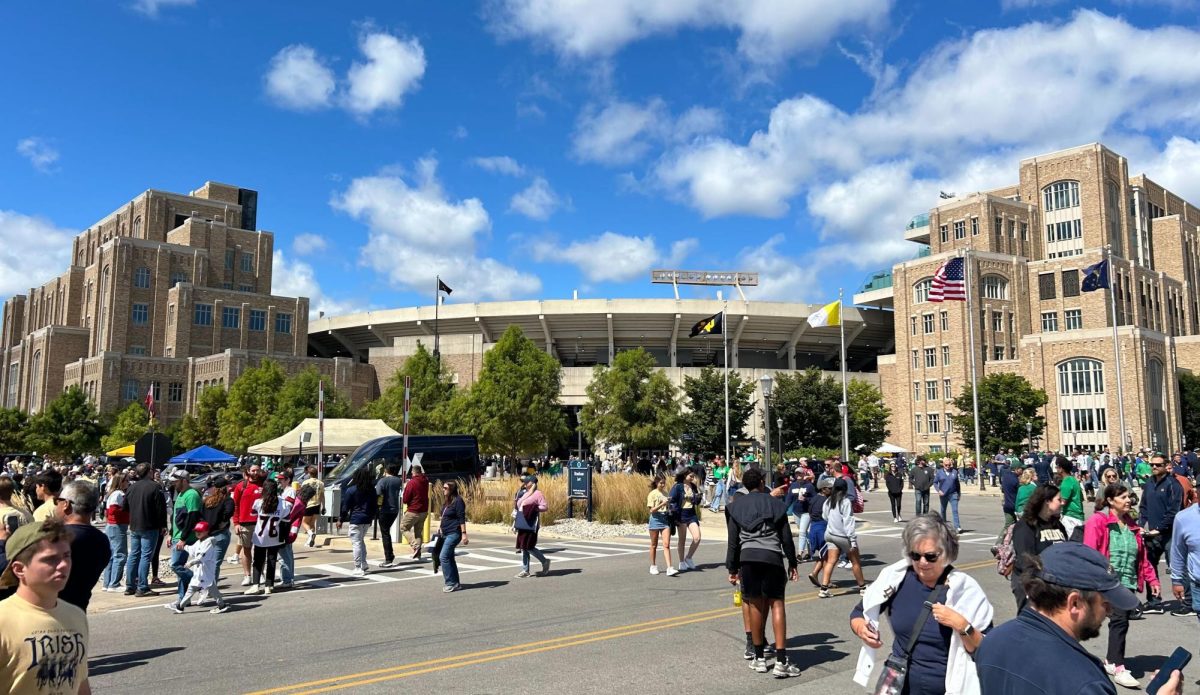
1077 566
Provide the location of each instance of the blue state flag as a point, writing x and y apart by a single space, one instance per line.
1095 277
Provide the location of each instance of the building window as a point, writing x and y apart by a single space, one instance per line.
1049 321
175 392
14 376
997 322
170 314
141 278
258 320
247 262
921 291
283 323
130 390
178 276
945 320
998 352
930 358
998 224
947 391
935 423
1073 319
137 227
231 317
227 285
917 422
916 390
245 288
1024 231
137 350
931 390
974 226
916 360
927 322
141 313
945 355
995 287
204 315
1080 377
229 256
1012 229
1064 231
960 229
1046 288
913 322
1061 194
944 233
1070 283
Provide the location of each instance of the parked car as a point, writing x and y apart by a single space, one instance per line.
443 457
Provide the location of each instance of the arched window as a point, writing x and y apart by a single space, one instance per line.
921 291
35 381
137 227
995 287
1060 195
1154 378
1080 377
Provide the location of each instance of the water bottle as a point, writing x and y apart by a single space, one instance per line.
737 597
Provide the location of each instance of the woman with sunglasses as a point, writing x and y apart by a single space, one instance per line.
1039 527
454 532
1113 531
940 660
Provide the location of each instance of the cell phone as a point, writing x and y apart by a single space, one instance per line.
1176 662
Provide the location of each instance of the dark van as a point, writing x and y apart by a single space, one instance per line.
443 456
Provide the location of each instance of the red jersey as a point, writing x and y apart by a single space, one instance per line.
416 494
245 494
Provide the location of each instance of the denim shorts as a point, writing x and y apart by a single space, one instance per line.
658 522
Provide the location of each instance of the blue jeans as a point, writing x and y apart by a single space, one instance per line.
922 498
449 564
221 543
525 557
718 499
141 554
802 523
287 563
952 500
118 541
184 575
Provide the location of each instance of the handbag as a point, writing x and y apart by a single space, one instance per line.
521 523
895 669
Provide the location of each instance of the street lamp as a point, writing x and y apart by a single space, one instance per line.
845 432
766 382
1029 433
779 430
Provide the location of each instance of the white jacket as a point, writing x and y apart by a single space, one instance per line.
202 557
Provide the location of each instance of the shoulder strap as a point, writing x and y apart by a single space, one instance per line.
936 596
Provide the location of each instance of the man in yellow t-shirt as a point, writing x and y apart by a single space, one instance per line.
49 482
43 641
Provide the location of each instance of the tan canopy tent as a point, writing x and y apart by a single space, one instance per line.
342 436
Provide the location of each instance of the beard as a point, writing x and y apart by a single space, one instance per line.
1090 627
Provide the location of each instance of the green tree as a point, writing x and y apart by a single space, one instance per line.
1006 403
1189 406
808 403
867 414
297 399
203 427
12 429
67 425
246 418
432 389
705 419
513 409
131 423
632 403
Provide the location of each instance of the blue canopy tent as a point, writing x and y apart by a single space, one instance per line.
204 454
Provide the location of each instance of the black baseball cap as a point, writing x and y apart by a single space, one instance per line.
1078 566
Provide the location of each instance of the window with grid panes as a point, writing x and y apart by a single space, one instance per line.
960 229
998 352
1073 319
916 390
931 390
175 392
945 355
231 317
944 233
947 391
141 314
974 226
258 320
1046 288
916 360
283 323
247 262
945 315
927 322
997 322
1070 283
999 226
1012 353
1024 231
1049 321
935 423
930 357
1012 229
917 420
913 321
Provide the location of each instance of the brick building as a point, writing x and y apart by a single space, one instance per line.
1029 244
170 292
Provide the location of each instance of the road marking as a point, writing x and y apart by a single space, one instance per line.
501 653
334 569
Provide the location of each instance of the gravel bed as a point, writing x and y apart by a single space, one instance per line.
580 528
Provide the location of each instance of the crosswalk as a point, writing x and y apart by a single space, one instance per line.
977 539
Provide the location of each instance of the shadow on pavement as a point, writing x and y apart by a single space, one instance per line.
115 663
562 572
1142 666
807 651
483 585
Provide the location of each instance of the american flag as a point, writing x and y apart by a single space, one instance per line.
948 282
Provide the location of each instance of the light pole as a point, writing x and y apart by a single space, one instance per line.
1029 433
766 382
779 434
845 432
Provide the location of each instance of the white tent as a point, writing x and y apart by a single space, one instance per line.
886 448
342 436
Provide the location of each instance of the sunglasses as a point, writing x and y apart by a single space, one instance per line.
929 557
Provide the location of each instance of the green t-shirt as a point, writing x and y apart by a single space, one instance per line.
1023 494
720 472
1072 497
186 503
1122 555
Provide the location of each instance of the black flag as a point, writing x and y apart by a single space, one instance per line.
443 287
708 326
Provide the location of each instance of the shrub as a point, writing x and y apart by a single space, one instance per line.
616 497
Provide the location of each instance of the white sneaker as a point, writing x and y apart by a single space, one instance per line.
1125 679
653 569
671 571
359 572
234 560
253 591
246 580
691 564
1110 669
267 589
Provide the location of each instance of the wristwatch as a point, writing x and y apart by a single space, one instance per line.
970 630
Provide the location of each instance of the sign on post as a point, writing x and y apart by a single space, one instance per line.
579 486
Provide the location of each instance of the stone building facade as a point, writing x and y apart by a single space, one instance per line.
170 292
1027 247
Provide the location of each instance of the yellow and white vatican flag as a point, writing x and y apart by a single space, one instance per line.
828 315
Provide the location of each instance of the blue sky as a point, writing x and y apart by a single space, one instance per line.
528 148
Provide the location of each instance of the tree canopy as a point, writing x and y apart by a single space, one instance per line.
807 401
131 423
1007 402
67 425
250 408
203 427
868 415
297 400
12 429
432 389
633 403
704 422
1189 407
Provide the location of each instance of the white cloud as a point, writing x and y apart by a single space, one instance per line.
394 67
537 202
416 231
500 165
150 8
32 251
1177 167
460 133
40 153
780 277
308 243
298 79
613 257
295 278
769 30
624 132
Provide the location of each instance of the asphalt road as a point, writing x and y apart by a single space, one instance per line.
598 621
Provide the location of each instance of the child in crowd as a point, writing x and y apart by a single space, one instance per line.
202 556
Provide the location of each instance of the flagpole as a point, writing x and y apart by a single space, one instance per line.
437 304
725 342
974 379
845 397
1116 348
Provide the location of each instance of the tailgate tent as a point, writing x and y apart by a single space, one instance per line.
891 449
123 452
342 436
204 454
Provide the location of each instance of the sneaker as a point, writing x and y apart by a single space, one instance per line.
762 665
254 590
173 607
1125 679
246 580
146 592
749 655
1110 669
545 566
862 588
1136 613
311 540
958 530
824 593
522 574
769 651
653 569
387 563
286 585
784 669
130 592
234 560
358 572
1183 611
1153 608
267 589
671 571
448 589
221 608
844 564
691 564
417 552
